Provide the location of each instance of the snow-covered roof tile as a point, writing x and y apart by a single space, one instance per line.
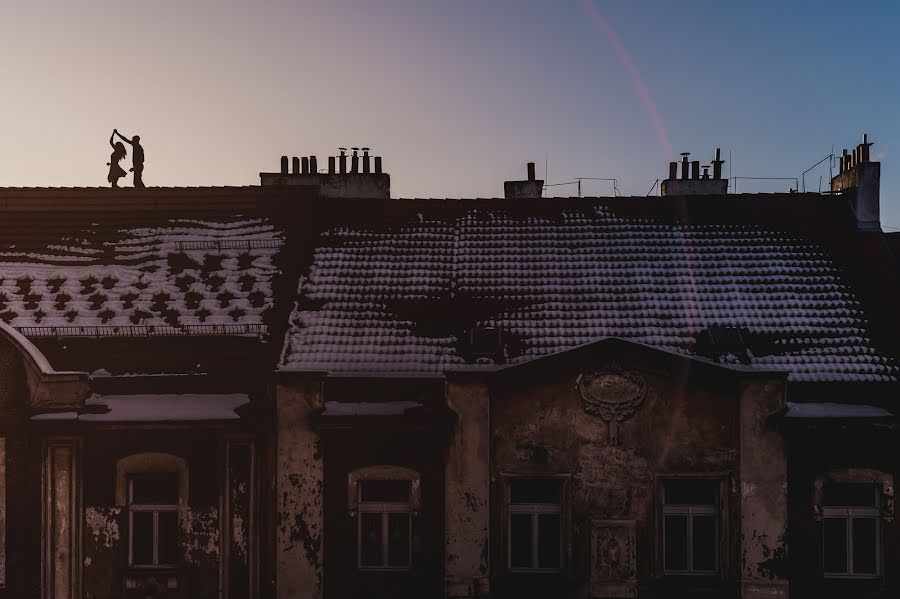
398 297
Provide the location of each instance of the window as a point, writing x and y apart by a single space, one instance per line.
851 531
691 527
153 519
384 525
535 525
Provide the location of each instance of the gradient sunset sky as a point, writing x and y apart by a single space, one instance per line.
455 95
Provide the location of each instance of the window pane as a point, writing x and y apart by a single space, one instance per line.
398 540
675 542
705 541
395 491
142 538
535 490
370 539
835 541
159 488
549 531
168 538
520 541
864 545
691 492
851 495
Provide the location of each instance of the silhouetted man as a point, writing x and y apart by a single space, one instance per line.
137 157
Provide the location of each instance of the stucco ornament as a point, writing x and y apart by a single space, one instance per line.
613 567
613 394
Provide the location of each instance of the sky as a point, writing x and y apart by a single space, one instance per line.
456 96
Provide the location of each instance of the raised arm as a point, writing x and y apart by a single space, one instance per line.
112 136
125 139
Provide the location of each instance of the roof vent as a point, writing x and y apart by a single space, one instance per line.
724 344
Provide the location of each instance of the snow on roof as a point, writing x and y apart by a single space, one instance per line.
834 410
391 297
386 408
156 408
173 275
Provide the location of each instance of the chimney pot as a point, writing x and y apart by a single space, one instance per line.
717 165
695 169
295 165
284 165
531 176
331 162
378 165
313 165
684 165
365 161
343 161
673 170
354 161
305 165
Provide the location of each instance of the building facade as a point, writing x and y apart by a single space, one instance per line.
310 389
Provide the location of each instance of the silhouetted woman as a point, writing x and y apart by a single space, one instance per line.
119 152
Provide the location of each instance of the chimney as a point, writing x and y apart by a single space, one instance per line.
361 184
530 188
692 183
859 179
717 165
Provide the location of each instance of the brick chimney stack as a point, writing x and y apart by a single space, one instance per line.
692 183
860 180
358 183
530 188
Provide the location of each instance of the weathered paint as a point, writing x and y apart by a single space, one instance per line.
102 526
764 511
200 535
686 425
467 480
62 562
299 519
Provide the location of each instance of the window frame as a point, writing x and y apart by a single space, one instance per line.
535 509
690 511
385 509
156 510
848 514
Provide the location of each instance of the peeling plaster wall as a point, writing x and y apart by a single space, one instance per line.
467 515
299 519
105 523
688 424
763 492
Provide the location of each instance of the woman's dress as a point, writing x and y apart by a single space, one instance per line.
116 172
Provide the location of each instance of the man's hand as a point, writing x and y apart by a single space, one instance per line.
131 170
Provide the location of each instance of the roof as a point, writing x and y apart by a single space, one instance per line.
394 288
154 408
817 411
165 262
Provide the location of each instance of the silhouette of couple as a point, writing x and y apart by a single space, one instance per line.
116 172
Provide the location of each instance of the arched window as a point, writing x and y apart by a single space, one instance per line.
152 486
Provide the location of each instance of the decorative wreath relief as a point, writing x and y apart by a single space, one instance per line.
612 394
